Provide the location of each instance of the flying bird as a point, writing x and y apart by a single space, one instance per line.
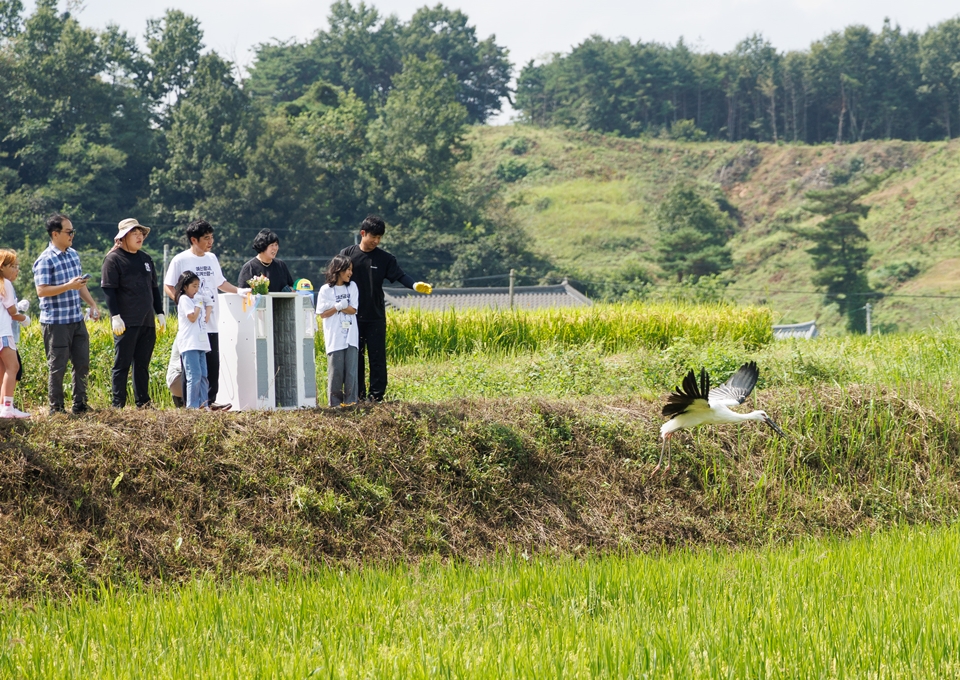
696 404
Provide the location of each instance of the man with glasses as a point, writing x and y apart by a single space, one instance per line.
61 286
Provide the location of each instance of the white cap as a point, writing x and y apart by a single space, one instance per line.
126 225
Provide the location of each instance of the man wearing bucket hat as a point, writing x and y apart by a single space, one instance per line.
129 282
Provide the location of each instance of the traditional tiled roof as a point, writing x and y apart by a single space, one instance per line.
806 330
524 297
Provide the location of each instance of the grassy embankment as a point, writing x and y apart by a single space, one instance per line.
548 450
881 606
588 203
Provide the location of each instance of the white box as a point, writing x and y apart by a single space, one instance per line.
267 355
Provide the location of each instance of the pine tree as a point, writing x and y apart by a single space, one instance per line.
839 250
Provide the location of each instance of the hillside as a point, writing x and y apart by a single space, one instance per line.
587 200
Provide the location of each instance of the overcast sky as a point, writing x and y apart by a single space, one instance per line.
531 30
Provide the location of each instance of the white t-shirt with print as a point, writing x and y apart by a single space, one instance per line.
339 330
7 300
191 334
207 268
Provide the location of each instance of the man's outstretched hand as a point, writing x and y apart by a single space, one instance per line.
422 287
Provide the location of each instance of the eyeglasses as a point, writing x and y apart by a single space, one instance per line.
69 232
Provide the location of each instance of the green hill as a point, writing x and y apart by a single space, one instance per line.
587 201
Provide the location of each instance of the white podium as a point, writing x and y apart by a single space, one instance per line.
267 358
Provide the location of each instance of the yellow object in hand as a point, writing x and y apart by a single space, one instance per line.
422 287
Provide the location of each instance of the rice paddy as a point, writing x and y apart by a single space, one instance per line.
881 606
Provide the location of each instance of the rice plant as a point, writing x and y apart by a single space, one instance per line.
611 327
882 606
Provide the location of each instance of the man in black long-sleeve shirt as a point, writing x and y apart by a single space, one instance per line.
129 282
371 265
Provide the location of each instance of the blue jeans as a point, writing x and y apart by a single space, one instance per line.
195 366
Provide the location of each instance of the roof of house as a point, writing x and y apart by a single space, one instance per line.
524 297
807 330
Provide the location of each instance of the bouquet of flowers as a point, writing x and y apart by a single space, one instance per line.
259 285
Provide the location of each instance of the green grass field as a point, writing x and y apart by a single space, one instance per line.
502 519
417 336
882 606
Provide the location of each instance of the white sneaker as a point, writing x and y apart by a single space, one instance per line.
12 412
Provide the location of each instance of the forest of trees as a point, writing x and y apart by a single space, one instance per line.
368 116
850 86
371 115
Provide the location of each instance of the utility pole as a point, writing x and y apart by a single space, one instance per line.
869 320
166 259
512 278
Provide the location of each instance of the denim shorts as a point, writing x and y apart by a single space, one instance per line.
8 341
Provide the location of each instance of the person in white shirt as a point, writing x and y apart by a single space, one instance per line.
337 302
206 267
192 342
10 316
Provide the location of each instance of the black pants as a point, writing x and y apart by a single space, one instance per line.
65 342
134 347
373 342
213 366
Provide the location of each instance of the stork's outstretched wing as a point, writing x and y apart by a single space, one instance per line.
689 396
737 388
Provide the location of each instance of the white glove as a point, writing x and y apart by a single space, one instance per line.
119 328
23 306
422 287
162 322
26 322
243 291
342 305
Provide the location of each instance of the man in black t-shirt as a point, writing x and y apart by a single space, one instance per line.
129 282
371 266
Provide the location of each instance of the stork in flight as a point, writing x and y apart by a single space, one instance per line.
693 405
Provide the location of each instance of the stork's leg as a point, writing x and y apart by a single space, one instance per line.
665 448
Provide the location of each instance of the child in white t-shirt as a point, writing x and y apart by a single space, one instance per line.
192 340
10 316
337 302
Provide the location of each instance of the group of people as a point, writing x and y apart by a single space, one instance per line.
350 304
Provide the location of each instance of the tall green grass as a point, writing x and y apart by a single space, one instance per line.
32 390
610 327
882 606
416 335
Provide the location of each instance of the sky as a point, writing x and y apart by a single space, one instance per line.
534 30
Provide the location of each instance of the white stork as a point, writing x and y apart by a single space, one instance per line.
693 405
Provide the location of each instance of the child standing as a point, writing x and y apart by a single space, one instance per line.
192 340
337 303
10 314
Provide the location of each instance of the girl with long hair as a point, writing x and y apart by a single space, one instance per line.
10 314
337 302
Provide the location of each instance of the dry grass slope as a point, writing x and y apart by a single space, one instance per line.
164 496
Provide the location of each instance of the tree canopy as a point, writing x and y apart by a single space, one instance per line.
852 85
368 116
